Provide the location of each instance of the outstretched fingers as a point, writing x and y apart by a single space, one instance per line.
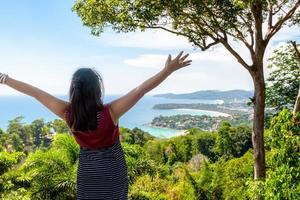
184 57
169 58
179 55
186 63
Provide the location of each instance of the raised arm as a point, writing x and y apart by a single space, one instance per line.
120 106
57 106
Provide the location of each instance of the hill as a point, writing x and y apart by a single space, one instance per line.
230 95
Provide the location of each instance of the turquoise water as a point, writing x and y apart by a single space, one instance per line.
139 116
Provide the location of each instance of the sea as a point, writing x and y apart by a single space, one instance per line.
140 115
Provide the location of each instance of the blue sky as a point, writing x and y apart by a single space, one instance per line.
44 42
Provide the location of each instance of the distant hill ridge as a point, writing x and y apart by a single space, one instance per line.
211 95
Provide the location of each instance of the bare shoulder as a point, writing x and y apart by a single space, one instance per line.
65 111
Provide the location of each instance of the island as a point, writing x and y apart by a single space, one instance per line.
237 113
203 122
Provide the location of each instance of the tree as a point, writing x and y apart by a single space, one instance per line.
297 52
205 24
8 160
283 160
60 126
17 142
37 130
16 126
204 143
283 81
45 174
224 143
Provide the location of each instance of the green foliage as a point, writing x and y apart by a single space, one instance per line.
232 141
206 19
60 126
19 194
27 137
283 81
156 150
128 16
37 127
204 143
283 173
138 162
224 179
17 135
16 126
8 160
237 174
187 167
224 143
149 188
49 174
67 144
135 136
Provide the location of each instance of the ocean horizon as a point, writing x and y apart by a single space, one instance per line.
139 116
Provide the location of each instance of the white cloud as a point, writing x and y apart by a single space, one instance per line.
150 39
212 69
211 57
147 61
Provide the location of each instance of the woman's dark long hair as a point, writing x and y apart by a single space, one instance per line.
86 98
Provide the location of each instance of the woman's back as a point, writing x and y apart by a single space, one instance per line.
104 135
102 170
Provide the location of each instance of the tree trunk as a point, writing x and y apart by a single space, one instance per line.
297 104
258 122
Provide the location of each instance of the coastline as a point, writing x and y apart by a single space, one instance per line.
217 113
179 132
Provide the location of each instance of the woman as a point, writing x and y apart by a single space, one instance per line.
102 170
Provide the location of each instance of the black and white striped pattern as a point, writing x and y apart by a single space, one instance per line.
3 78
102 174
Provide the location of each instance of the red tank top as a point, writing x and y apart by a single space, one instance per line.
104 135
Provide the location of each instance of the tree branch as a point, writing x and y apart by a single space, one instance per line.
249 29
256 10
241 37
279 24
297 103
275 11
296 50
235 54
270 15
203 46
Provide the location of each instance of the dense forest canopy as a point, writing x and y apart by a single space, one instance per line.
198 165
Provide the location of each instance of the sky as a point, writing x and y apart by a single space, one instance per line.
44 42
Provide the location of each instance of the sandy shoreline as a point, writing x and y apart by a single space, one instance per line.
199 110
178 131
181 133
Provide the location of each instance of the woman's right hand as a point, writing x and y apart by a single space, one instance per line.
177 63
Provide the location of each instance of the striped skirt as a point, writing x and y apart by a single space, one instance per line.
102 174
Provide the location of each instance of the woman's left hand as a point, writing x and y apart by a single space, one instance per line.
177 63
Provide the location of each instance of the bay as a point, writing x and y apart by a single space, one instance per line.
139 116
